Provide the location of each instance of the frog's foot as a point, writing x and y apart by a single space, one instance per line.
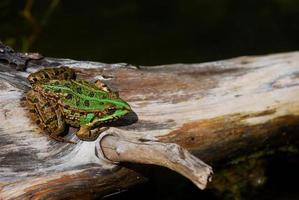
85 133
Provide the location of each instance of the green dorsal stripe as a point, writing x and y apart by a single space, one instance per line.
86 102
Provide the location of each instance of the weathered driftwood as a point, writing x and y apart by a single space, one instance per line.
121 148
217 110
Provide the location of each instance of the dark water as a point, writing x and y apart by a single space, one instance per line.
151 32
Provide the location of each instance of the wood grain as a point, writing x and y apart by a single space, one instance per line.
217 110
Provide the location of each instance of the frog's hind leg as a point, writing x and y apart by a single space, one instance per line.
47 115
61 73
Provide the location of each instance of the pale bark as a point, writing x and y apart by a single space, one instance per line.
118 148
217 110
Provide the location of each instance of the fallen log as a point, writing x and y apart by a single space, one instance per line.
217 110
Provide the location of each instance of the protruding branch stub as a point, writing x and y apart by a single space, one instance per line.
118 148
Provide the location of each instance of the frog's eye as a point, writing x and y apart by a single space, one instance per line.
110 111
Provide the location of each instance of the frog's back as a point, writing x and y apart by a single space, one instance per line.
46 74
75 94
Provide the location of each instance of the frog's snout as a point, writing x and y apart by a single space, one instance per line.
122 105
127 108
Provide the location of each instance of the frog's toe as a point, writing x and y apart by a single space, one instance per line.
90 135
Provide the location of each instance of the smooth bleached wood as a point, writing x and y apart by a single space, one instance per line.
217 110
119 148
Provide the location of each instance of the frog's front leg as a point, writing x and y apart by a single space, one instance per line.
88 134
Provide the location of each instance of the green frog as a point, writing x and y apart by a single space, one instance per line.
57 100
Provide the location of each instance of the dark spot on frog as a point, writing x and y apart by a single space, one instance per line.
34 79
67 85
37 122
110 111
35 100
69 96
32 111
86 103
91 94
66 75
47 105
46 76
79 90
51 119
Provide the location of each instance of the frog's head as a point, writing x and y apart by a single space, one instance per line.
113 109
116 108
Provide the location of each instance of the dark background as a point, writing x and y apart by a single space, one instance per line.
152 32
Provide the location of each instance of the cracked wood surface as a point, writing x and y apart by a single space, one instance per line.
217 110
